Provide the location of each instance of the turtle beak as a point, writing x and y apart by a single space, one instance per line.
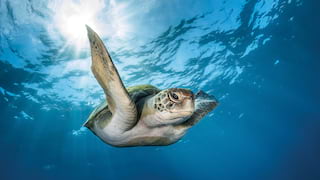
204 98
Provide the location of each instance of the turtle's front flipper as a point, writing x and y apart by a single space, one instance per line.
105 72
204 103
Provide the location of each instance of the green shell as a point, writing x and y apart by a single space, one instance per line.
102 111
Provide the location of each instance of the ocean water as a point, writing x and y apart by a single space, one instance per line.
260 58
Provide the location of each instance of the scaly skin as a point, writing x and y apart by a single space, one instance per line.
142 115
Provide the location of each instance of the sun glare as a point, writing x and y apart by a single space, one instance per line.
74 26
70 18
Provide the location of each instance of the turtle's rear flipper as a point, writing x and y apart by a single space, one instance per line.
105 72
204 103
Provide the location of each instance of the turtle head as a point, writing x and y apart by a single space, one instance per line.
174 105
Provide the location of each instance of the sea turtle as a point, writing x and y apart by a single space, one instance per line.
141 115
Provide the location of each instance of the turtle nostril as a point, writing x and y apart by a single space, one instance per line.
192 96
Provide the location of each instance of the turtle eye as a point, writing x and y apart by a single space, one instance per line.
175 96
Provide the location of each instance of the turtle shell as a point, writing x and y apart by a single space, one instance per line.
102 112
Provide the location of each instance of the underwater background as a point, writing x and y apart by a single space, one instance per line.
260 58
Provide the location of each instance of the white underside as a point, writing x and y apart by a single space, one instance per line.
112 134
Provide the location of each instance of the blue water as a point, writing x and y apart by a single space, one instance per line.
260 58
